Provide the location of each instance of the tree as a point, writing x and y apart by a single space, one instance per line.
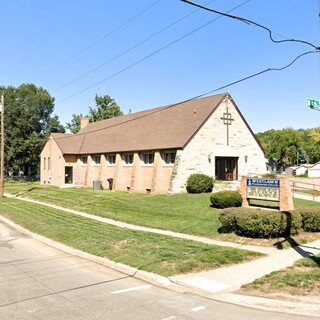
74 125
28 123
105 108
281 145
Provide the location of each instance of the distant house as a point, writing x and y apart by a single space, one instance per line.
314 170
302 169
156 150
276 166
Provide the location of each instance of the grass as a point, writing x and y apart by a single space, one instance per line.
186 213
146 251
302 279
15 187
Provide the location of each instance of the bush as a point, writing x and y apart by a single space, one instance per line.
226 199
228 218
199 183
310 219
258 223
293 222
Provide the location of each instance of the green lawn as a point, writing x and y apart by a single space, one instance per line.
302 279
186 213
163 255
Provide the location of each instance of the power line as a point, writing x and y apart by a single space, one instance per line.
150 55
247 21
102 38
259 73
130 49
203 94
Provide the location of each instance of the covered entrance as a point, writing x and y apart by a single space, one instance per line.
226 168
68 175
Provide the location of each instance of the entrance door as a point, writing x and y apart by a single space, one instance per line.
68 175
226 168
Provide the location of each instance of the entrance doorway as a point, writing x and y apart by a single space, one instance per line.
68 175
226 168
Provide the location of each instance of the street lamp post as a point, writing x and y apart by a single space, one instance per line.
2 148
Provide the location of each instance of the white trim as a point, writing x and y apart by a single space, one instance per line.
94 162
145 157
108 163
124 158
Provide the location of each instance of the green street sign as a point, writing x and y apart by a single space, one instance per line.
313 104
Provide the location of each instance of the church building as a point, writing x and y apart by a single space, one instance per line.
156 150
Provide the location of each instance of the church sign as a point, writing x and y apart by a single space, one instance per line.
263 189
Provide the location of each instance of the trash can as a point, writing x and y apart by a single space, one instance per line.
96 185
110 180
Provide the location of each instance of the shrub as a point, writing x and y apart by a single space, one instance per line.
228 219
292 221
226 199
199 183
269 175
310 219
258 223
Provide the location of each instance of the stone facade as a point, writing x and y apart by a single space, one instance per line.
211 142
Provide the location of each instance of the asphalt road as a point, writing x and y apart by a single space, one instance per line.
40 282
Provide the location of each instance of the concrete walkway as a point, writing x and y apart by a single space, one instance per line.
220 284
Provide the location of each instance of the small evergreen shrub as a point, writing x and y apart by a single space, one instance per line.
199 183
258 223
226 199
292 221
310 219
269 175
228 220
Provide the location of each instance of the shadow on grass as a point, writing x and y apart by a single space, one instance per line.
26 191
294 244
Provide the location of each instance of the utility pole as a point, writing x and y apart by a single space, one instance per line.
2 148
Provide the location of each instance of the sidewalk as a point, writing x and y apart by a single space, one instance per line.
219 284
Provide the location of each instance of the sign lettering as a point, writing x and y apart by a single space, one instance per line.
263 189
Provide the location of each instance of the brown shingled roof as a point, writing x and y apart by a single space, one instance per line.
169 127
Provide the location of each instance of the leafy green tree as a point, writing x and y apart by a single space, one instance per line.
28 122
74 125
105 108
281 145
312 144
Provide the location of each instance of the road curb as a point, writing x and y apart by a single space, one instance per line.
120 267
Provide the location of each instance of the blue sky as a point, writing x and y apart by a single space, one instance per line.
76 49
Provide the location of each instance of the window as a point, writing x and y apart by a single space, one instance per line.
96 160
148 158
169 158
128 158
44 163
111 159
49 163
84 160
